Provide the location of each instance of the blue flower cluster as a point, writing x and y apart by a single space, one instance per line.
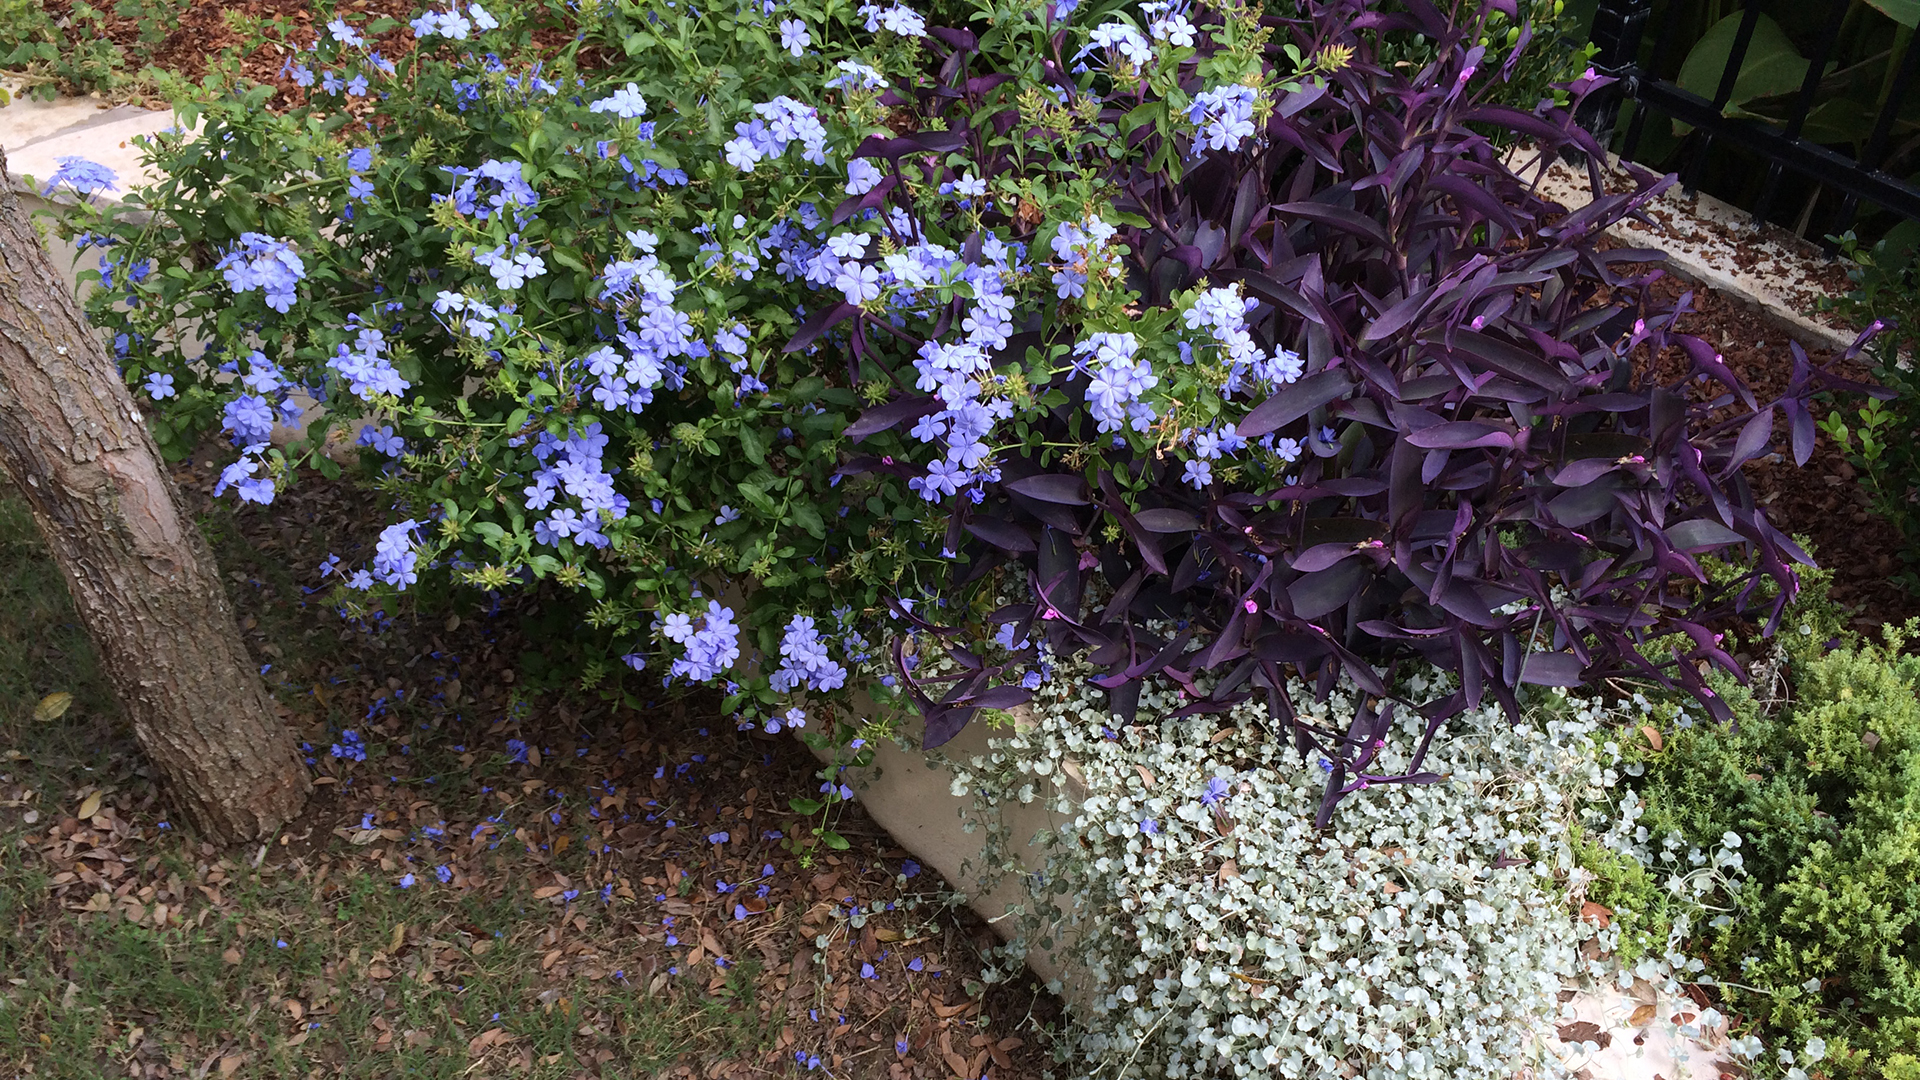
783 121
572 467
804 661
712 642
261 262
451 24
490 188
1223 117
85 177
365 367
394 557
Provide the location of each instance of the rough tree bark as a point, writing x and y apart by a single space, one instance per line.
141 575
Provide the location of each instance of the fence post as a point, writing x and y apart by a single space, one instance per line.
1618 26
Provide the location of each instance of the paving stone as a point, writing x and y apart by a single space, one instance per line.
36 134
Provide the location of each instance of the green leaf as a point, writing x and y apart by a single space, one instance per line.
805 516
834 840
1772 65
753 443
804 806
1904 12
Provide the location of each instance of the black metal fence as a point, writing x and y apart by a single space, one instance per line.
1619 33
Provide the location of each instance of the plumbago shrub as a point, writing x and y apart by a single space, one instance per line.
868 316
1427 933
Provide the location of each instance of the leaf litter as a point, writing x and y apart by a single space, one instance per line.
493 878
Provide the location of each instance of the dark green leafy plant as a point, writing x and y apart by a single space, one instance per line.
1805 818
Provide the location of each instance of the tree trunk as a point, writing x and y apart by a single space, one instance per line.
141 575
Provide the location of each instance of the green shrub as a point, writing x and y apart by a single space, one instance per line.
1796 830
79 57
1877 435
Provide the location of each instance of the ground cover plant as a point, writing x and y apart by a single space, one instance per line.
1428 933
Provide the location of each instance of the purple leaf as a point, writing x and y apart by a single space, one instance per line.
1051 487
1295 401
1166 520
891 415
1001 534
1461 435
819 323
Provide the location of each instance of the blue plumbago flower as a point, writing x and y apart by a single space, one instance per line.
365 367
507 189
782 122
804 660
351 748
301 74
383 440
510 271
794 36
261 262
406 881
909 868
626 103
359 187
1167 23
1077 247
900 19
856 76
444 873
1223 116
1197 473
712 645
1216 790
357 86
250 418
159 386
1222 313
1116 385
1150 827
344 34
449 24
85 177
516 750
900 1045
1120 40
394 556
239 476
726 514
331 83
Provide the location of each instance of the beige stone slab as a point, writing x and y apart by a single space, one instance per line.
34 147
1710 243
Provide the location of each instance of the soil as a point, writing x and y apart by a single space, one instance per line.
1822 501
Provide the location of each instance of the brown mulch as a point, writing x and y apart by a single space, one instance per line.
1823 501
203 36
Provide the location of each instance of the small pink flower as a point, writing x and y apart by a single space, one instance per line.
1466 74
1051 614
1479 321
1639 327
888 459
1251 607
1588 74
